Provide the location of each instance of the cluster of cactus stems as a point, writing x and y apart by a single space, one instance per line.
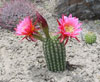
55 54
90 38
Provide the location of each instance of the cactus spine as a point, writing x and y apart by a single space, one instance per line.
55 55
90 38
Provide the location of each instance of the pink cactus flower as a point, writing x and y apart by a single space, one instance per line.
26 28
68 27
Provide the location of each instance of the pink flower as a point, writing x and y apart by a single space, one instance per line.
26 28
68 27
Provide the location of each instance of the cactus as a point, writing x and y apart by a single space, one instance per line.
90 38
55 55
53 47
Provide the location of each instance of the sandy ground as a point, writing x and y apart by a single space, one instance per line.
24 61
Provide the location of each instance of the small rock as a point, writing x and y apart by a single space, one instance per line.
40 60
52 80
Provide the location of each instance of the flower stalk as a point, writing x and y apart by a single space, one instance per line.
38 37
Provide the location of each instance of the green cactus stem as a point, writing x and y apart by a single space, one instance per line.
90 38
55 55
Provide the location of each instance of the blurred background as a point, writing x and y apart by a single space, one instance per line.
84 9
12 11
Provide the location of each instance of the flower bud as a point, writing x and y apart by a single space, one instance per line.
43 24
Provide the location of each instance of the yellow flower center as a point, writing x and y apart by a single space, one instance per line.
69 29
33 28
